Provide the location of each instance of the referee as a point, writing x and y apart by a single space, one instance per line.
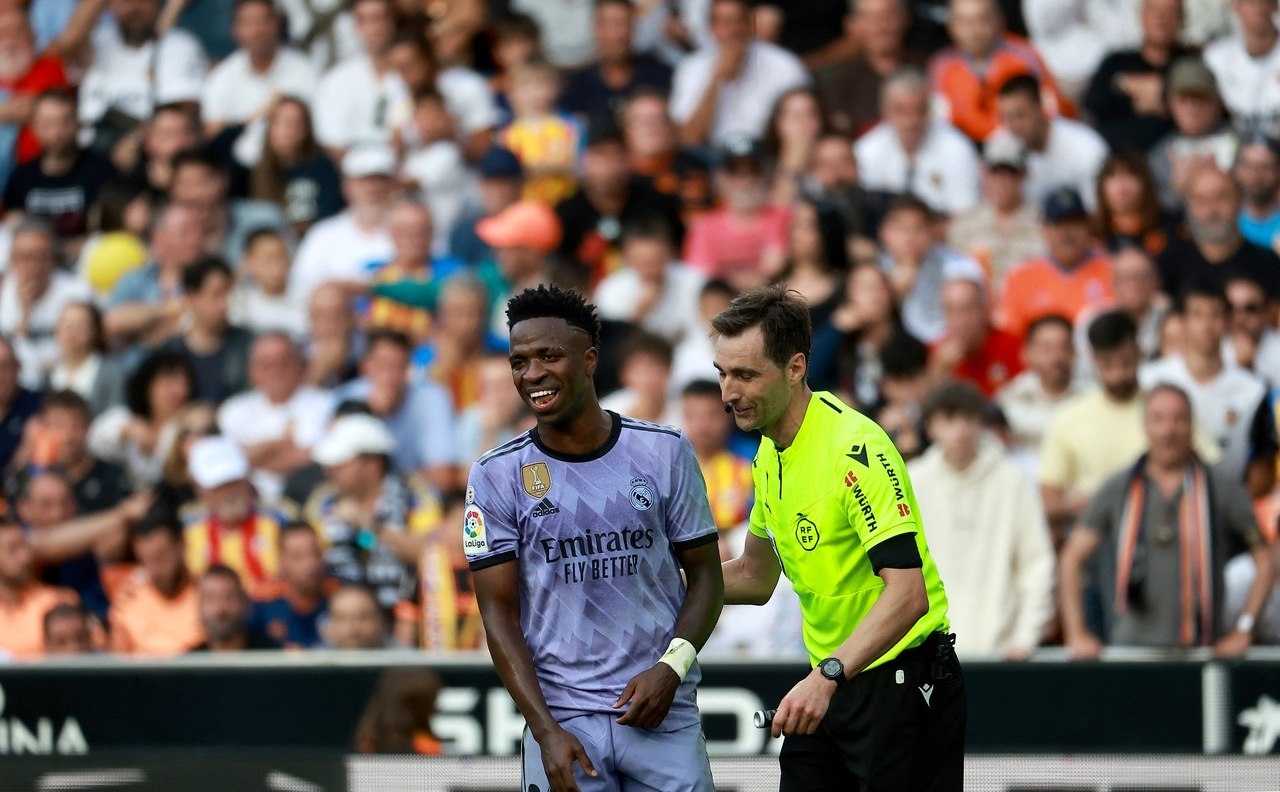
884 707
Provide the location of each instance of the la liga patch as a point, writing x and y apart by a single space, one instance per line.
473 539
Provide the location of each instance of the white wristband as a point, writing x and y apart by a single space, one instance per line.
680 655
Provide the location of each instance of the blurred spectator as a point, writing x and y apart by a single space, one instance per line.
224 613
645 370
339 248
1251 343
603 86
833 174
565 29
140 433
1238 580
918 267
1030 400
397 719
1162 532
1004 229
66 631
434 168
355 100
1136 290
324 29
658 157
516 39
410 272
1213 249
242 88
727 89
546 141
816 31
1060 152
146 156
25 73
290 610
61 184
97 484
497 414
904 383
850 88
292 171
1257 171
146 305
1071 276
155 611
970 349
1127 211
1126 95
910 152
983 512
846 353
373 523
738 241
177 486
32 297
280 419
522 237
795 127
333 346
1076 35
461 338
693 358
653 290
355 620
728 476
202 182
135 68
1200 134
218 351
82 365
1246 64
24 600
607 200
499 183
17 404
817 259
260 301
1230 402
969 76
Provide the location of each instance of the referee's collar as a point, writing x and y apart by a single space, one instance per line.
802 433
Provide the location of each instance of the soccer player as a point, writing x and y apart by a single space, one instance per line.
576 532
884 707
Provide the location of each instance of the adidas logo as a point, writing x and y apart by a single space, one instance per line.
545 509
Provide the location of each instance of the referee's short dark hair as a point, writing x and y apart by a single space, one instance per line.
783 319
1112 330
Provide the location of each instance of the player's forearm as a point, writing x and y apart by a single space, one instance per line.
704 596
514 664
888 622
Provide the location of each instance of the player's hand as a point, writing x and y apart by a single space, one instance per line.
559 752
805 706
649 695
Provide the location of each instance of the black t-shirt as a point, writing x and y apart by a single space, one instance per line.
1117 121
810 25
1181 265
25 404
312 191
592 239
102 488
63 200
586 93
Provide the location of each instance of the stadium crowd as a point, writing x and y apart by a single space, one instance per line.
255 255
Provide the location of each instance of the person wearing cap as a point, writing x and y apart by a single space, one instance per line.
1060 151
1200 136
1004 229
1246 65
1073 275
373 523
339 248
499 184
1257 171
739 241
608 198
227 524
912 152
522 237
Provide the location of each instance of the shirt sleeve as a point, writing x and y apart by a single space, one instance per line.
490 533
180 69
689 520
332 121
1236 509
878 494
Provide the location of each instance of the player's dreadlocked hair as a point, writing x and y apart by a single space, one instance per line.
554 302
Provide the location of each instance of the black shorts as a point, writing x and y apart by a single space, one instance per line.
896 728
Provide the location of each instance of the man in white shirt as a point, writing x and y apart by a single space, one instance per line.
1030 399
728 90
1228 401
135 70
32 297
277 422
361 99
1060 152
653 290
909 152
340 248
1073 36
1251 342
1247 65
244 85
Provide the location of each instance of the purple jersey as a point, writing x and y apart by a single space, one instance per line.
596 538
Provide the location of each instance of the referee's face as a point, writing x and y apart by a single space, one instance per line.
751 384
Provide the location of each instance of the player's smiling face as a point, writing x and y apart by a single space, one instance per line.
551 365
756 389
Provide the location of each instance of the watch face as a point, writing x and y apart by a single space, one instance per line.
831 668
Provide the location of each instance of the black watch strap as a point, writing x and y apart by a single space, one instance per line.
832 668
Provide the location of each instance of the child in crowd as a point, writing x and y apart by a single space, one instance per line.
547 143
436 168
260 302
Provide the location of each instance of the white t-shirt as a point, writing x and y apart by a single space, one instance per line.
675 314
335 249
353 104
121 76
1250 87
255 310
744 104
37 351
443 180
944 173
343 43
1225 407
1072 157
468 98
1073 36
565 27
1266 359
235 91
250 418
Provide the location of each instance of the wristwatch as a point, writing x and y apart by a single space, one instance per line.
833 669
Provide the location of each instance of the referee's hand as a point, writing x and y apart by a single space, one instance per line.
559 752
805 706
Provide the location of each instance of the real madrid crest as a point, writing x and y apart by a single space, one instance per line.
536 478
641 495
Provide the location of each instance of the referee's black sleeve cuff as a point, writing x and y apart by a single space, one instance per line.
493 560
697 541
899 552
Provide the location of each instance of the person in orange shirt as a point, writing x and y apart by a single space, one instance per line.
156 611
728 476
69 630
1073 276
971 350
969 75
24 601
